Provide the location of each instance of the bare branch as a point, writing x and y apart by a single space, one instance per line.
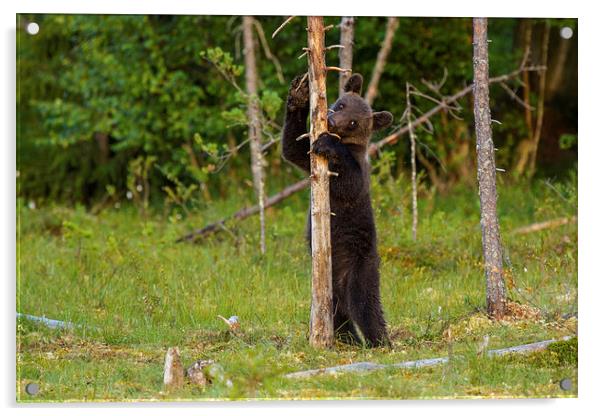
336 68
267 51
288 19
445 101
515 97
538 226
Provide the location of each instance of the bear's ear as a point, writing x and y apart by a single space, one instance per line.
354 84
381 119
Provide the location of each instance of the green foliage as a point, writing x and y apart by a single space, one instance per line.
171 88
567 141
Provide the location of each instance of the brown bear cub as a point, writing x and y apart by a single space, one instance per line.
356 281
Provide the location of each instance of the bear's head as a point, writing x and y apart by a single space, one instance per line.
351 118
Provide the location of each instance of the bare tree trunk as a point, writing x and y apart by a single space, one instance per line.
321 327
257 162
413 159
527 85
492 249
381 60
524 147
540 99
346 52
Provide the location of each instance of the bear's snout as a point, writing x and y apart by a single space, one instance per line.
331 123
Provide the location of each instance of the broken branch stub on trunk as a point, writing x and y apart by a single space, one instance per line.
486 175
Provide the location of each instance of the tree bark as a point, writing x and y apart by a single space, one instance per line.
321 326
486 175
346 52
257 161
381 60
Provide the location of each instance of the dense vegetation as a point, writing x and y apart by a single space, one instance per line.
111 104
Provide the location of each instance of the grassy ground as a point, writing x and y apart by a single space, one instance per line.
135 293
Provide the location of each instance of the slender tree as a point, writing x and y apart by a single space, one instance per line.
346 51
413 160
486 175
540 98
321 326
257 161
381 59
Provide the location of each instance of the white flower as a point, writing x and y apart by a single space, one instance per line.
32 204
129 195
139 188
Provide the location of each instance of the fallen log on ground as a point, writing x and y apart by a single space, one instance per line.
538 226
444 103
429 362
246 212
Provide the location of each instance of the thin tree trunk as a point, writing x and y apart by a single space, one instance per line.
486 172
346 52
321 327
524 147
381 60
413 159
540 99
527 85
257 162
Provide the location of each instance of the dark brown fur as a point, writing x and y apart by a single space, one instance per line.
356 281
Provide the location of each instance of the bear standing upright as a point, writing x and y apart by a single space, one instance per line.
355 276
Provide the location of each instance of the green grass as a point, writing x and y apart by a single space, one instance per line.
135 293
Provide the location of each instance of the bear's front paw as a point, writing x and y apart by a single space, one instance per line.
325 146
298 93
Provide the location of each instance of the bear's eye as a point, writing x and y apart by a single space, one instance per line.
353 124
340 106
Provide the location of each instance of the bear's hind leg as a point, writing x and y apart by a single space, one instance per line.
364 304
344 329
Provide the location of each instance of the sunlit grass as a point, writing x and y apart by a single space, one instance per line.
134 292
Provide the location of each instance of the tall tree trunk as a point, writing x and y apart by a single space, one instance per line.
346 52
381 60
413 159
541 99
257 161
321 327
492 249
